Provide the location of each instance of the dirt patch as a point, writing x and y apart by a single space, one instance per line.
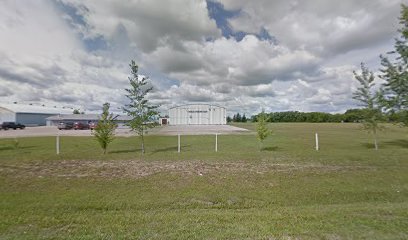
138 169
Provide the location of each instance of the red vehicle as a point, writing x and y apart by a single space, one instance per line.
80 126
92 125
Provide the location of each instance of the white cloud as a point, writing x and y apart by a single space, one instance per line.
149 24
34 28
320 26
47 53
248 62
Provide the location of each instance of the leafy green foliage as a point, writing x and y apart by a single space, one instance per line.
354 115
143 114
351 115
261 129
369 99
104 131
395 72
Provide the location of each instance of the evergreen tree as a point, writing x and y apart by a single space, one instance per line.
229 119
143 114
104 131
244 118
238 118
395 73
370 100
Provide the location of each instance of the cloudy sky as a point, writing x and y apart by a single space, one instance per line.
246 55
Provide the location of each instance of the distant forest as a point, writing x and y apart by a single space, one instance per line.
351 115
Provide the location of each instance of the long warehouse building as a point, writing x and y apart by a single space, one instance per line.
29 115
197 114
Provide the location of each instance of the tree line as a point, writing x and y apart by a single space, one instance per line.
237 118
350 116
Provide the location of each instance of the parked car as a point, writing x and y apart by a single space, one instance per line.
65 125
13 125
80 126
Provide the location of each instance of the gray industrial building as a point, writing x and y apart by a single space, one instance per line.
84 118
29 115
197 114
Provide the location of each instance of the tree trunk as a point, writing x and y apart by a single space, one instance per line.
143 150
375 141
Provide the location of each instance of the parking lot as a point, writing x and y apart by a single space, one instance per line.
160 130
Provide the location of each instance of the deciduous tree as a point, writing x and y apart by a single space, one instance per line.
104 131
144 114
395 72
261 128
369 99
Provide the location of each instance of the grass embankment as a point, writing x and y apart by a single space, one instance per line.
288 190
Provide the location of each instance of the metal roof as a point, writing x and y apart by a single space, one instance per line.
198 104
21 108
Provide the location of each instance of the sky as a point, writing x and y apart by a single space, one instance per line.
280 55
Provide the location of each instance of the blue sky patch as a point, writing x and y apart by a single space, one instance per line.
75 19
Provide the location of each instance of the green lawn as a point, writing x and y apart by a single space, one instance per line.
347 190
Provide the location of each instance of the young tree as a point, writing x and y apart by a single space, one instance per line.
261 128
143 114
104 131
395 73
369 98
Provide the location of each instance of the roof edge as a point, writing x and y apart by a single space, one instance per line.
205 104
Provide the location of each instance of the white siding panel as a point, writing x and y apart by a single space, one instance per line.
6 115
197 114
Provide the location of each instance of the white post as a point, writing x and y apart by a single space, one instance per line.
58 144
317 142
216 142
178 145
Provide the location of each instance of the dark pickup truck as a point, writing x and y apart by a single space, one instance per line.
13 125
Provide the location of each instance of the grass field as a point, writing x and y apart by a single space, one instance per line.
347 190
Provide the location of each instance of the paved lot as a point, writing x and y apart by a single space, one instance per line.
166 130
199 130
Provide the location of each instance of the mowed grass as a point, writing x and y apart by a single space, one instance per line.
346 190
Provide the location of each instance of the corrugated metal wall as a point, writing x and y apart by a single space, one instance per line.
32 119
197 114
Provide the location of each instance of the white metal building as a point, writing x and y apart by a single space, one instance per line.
197 114
29 115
